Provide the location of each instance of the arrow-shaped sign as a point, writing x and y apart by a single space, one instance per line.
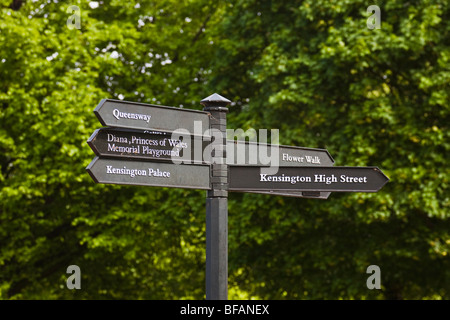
149 173
259 154
147 145
134 115
316 179
158 145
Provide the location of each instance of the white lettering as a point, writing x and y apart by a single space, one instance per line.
126 171
158 173
135 116
284 178
289 158
314 160
347 179
246 309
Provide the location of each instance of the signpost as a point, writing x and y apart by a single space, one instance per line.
155 174
142 145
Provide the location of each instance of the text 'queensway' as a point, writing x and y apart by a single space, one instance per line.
127 115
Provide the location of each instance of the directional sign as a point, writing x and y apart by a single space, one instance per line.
147 145
259 154
134 115
142 173
317 179
251 153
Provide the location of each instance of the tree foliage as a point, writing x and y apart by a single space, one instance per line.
309 68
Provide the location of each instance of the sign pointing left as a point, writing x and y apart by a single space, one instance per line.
134 115
143 173
145 145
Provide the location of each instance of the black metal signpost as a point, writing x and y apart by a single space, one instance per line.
142 145
217 204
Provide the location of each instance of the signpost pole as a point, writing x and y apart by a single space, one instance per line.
217 202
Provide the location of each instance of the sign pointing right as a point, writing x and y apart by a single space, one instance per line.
243 152
318 179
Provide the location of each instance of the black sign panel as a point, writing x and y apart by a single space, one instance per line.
148 145
318 179
261 154
131 172
134 115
